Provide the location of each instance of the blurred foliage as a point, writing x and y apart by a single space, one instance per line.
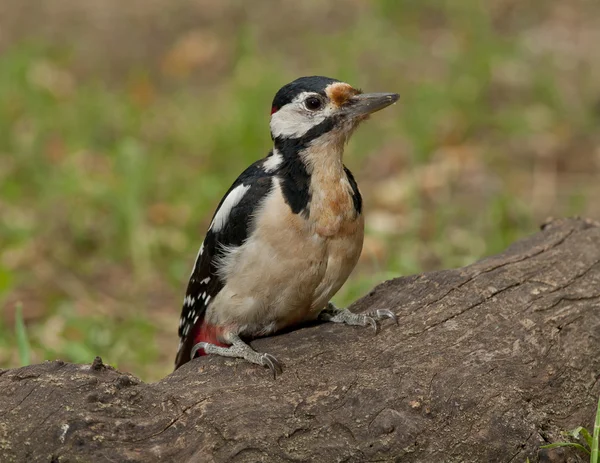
22 340
122 125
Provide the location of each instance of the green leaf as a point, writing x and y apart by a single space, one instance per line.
596 438
565 444
22 340
584 433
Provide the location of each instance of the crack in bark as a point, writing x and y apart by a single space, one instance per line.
342 399
503 264
376 416
21 401
39 425
521 447
454 391
467 309
524 280
567 298
173 421
563 285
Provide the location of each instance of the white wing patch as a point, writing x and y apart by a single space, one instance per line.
197 258
232 200
273 161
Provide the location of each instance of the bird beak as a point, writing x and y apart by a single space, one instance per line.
368 103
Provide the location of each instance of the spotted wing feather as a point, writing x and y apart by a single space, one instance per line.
230 228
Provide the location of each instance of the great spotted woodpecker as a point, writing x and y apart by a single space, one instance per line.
287 234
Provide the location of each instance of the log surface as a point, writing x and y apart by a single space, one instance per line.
489 362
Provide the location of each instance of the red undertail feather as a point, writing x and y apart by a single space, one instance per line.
210 334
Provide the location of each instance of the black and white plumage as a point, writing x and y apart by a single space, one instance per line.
288 232
229 228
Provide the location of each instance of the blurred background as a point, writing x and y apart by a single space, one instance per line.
122 123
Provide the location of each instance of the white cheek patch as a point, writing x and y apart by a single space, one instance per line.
232 200
294 120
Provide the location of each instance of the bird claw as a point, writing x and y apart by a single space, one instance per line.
385 313
197 347
241 351
333 314
272 363
374 317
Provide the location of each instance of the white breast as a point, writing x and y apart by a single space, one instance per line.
284 273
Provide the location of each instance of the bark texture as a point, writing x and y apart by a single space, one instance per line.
489 362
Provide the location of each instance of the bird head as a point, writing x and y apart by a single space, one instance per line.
322 110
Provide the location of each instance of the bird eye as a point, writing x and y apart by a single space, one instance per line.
312 103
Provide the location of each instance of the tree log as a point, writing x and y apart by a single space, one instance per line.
489 362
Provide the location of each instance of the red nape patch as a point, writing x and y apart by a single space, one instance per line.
274 109
210 334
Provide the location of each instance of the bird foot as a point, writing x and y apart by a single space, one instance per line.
240 349
337 315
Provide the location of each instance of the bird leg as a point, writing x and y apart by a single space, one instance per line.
337 315
239 349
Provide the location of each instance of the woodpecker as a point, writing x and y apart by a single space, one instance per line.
287 234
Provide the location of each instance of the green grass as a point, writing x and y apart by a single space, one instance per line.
107 184
582 440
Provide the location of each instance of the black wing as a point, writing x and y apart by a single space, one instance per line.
204 282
